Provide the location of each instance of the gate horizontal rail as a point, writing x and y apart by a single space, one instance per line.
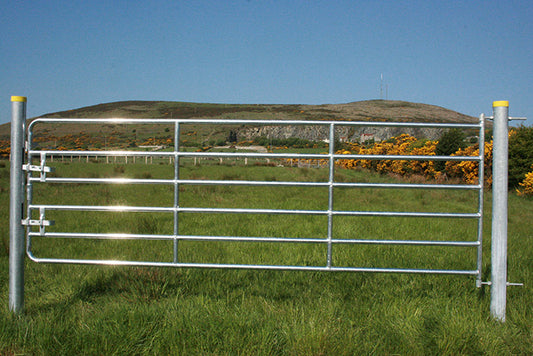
254 155
150 209
250 266
254 183
254 122
101 236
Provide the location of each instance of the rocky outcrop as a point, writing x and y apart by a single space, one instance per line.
342 133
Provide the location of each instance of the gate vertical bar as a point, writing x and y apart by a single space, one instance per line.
29 185
176 186
498 298
481 182
330 190
16 207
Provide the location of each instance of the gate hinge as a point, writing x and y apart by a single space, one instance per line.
34 168
508 284
32 222
510 118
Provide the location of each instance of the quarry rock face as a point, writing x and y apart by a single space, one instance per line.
342 133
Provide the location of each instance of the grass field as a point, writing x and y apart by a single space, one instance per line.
74 309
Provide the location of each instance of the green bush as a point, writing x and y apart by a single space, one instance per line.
449 143
520 154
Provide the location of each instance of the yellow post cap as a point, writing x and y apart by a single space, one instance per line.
22 99
500 103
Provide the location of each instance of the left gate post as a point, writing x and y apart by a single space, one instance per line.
16 206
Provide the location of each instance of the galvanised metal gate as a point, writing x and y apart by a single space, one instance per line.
34 217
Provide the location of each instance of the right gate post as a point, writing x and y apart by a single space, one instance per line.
498 298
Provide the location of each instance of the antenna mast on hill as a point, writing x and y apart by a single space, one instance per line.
381 87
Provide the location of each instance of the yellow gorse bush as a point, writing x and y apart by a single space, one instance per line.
425 168
468 171
403 145
527 185
407 145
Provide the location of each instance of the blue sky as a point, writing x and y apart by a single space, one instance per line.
461 55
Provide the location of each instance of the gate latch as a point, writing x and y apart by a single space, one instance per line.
43 168
42 222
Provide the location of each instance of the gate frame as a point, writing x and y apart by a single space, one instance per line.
499 240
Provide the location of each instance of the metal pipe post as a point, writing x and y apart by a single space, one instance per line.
481 183
16 207
331 180
176 187
499 210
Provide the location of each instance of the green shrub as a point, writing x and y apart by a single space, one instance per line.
450 142
520 153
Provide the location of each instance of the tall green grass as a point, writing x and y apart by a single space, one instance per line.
73 309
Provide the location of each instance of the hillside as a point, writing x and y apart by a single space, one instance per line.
382 110
371 110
